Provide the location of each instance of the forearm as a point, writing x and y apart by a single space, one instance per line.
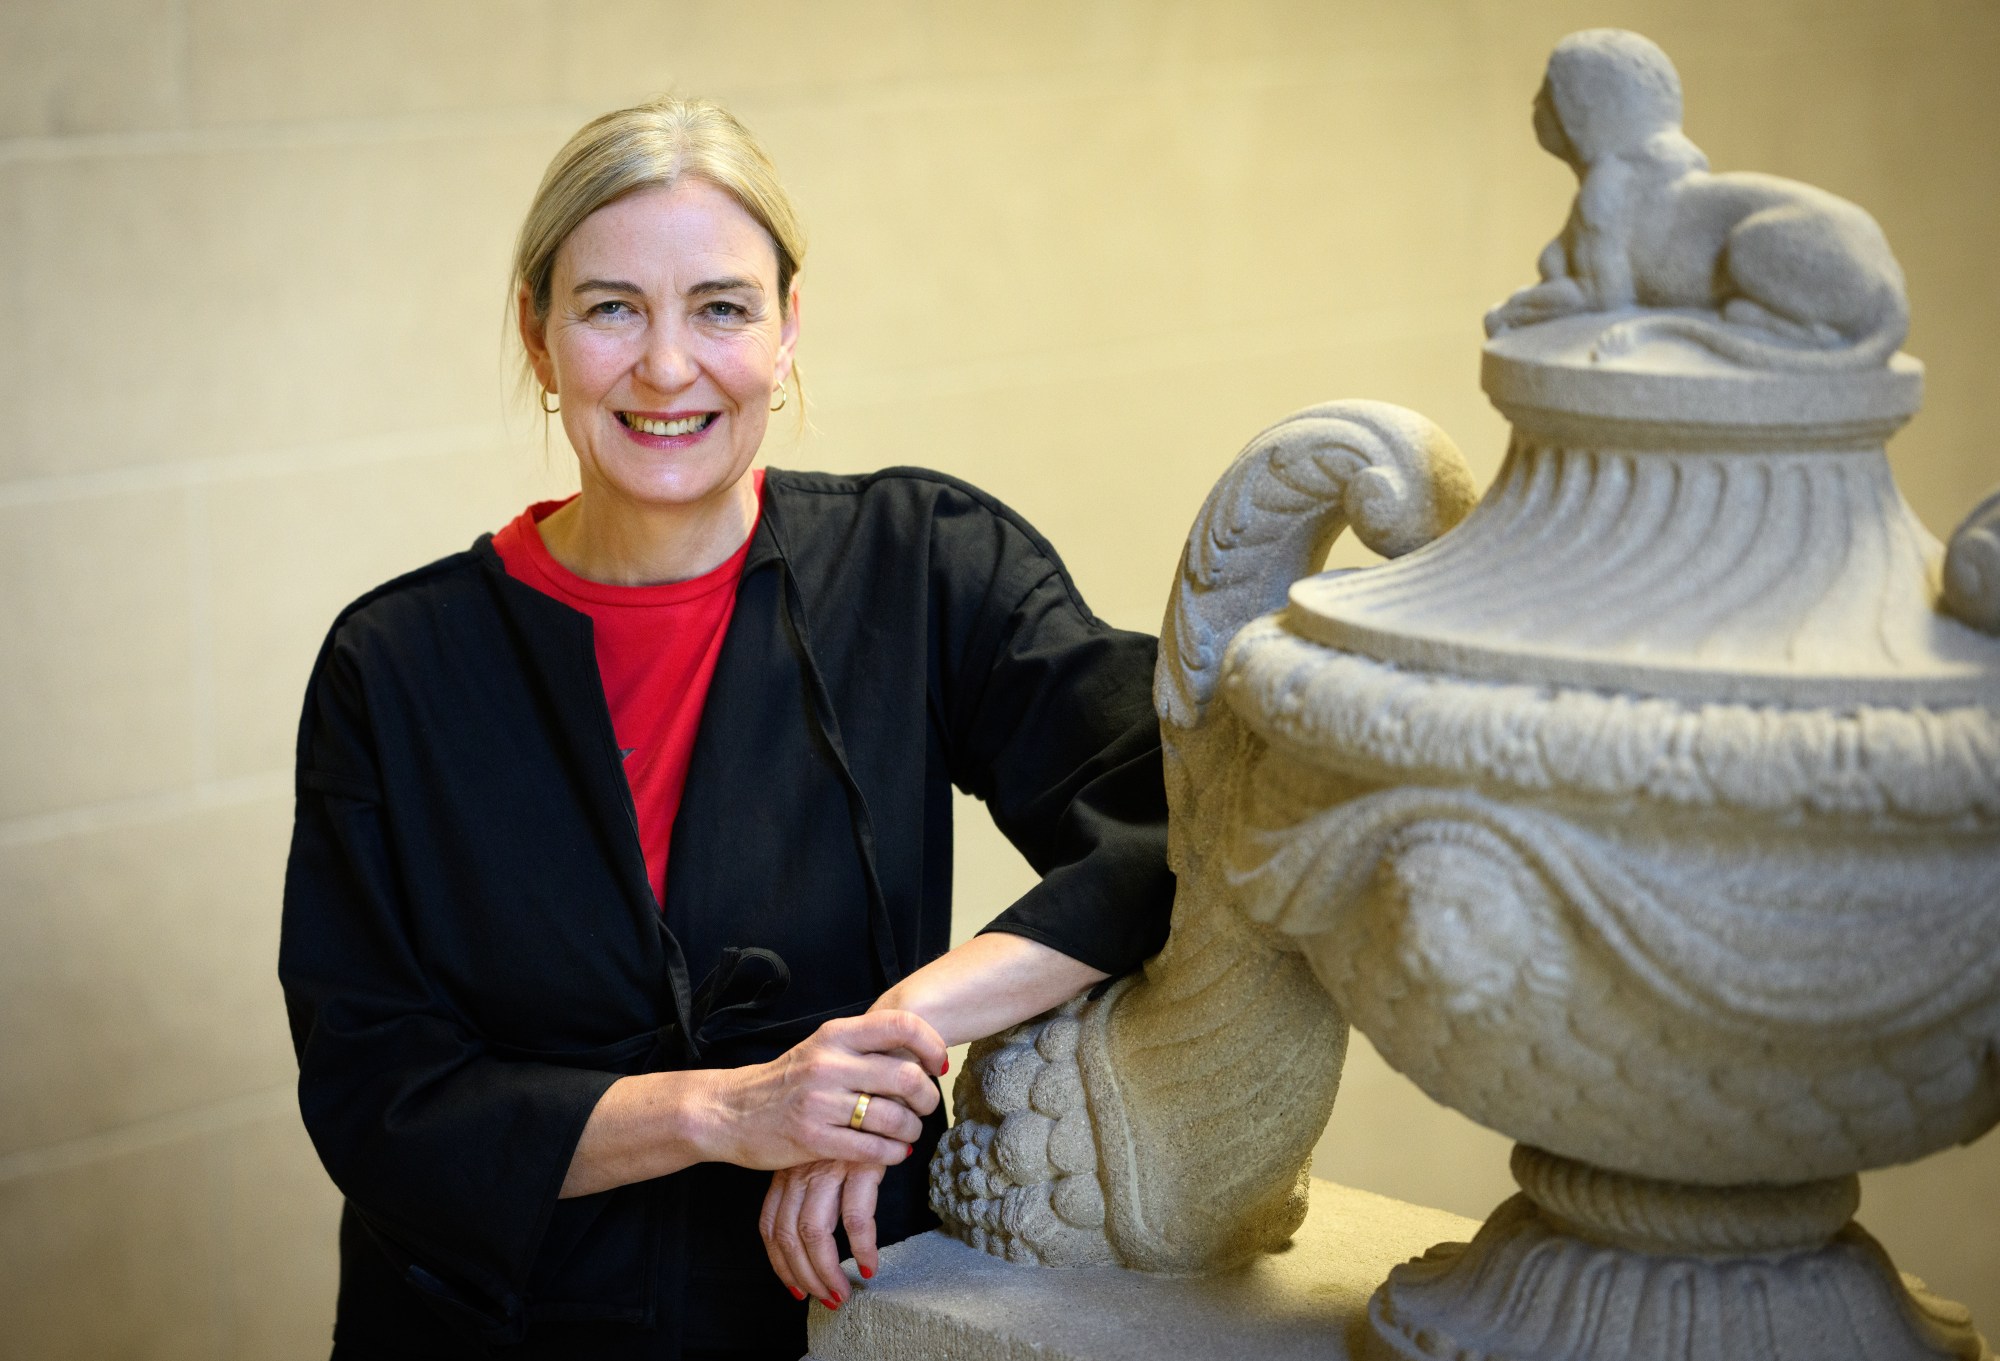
645 1126
987 984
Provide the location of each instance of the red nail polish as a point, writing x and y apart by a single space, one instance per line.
836 1302
867 1273
947 1066
909 1150
797 1293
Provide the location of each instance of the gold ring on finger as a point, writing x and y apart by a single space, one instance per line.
860 1111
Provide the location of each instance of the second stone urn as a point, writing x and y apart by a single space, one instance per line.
1650 816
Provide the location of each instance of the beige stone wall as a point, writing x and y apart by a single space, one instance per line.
251 286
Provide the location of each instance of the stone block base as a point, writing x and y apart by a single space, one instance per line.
935 1298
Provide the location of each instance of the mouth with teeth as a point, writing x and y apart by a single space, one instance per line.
678 427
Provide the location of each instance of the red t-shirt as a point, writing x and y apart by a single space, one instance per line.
656 652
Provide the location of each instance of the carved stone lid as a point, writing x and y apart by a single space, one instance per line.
1669 393
1670 524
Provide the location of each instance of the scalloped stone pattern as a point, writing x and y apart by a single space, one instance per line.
1017 1174
1677 1001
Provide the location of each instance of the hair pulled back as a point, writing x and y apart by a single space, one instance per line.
654 144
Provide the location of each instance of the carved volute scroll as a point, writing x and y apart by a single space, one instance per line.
1388 472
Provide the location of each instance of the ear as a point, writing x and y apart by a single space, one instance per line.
534 340
788 334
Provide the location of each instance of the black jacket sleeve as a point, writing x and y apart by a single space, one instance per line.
453 1156
1051 723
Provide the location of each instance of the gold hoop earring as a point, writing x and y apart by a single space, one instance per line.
779 405
548 410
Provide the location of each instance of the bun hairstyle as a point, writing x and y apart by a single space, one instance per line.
649 145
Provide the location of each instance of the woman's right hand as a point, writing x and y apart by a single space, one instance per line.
797 1107
794 1109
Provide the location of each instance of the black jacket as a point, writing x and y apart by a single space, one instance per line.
471 951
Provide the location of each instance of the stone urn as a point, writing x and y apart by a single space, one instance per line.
1652 818
1650 815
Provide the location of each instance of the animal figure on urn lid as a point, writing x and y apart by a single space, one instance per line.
1786 276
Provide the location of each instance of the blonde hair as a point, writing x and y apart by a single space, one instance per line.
657 143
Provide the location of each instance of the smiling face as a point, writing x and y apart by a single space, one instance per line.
664 342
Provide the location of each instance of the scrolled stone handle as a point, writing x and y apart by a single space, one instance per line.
1393 475
1076 1143
1972 567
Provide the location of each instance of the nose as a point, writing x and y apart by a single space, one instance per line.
668 364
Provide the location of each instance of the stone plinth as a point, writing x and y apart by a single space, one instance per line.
937 1298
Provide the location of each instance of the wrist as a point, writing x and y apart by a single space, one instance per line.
645 1125
897 998
696 1118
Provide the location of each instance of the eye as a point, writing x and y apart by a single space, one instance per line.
611 308
721 309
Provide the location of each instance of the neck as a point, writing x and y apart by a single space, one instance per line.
606 538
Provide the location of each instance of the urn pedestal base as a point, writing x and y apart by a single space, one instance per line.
1589 1265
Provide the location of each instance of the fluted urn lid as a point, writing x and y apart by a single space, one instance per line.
1669 522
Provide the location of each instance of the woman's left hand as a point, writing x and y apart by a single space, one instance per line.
800 1211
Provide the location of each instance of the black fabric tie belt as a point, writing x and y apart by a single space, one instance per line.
746 981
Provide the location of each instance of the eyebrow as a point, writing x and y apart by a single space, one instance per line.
606 286
727 285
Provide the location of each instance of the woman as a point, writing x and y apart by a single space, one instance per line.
616 915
